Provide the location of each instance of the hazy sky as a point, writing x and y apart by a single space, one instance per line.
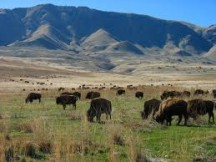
200 12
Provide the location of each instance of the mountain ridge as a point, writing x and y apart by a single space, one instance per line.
69 28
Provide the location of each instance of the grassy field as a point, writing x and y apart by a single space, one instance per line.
46 132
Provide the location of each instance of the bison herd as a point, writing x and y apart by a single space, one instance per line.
160 110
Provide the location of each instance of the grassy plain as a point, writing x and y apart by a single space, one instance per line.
45 132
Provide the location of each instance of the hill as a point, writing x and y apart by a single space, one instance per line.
102 38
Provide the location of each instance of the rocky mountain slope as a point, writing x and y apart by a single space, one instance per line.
106 37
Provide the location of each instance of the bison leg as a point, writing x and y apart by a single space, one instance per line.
169 120
186 118
98 118
211 114
180 119
74 105
39 100
64 106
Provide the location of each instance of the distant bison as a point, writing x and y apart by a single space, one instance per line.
78 94
97 107
66 100
120 92
33 96
201 107
139 95
171 108
150 106
92 95
200 92
186 94
166 94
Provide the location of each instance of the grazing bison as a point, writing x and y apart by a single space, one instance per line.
66 100
97 107
33 96
120 92
186 94
200 92
201 107
92 95
170 108
150 106
139 95
77 94
166 94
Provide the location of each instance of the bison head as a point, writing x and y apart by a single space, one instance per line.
143 115
90 115
160 118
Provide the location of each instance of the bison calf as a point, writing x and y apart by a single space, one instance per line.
66 100
171 108
33 96
97 107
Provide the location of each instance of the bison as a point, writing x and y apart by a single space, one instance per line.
186 94
166 94
66 100
120 92
92 95
170 108
200 92
150 106
33 96
77 94
97 107
201 107
139 95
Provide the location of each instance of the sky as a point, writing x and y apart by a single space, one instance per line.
199 12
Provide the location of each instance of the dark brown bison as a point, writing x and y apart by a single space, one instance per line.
33 96
170 108
150 106
97 107
77 94
120 92
200 92
170 94
66 100
92 95
201 107
61 89
186 94
139 95
214 93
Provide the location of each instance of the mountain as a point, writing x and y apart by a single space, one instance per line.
92 31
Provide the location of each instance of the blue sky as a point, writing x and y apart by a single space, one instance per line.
199 12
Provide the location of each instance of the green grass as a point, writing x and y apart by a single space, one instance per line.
74 139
